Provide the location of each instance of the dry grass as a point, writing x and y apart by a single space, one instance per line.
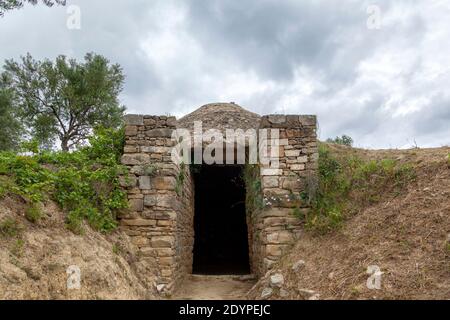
406 235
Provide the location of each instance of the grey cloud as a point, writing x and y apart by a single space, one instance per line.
251 51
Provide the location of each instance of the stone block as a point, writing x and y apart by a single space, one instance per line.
127 181
162 242
274 250
135 158
131 130
277 118
144 183
166 272
290 183
149 121
281 237
150 200
164 252
130 149
270 181
159 133
302 159
165 261
136 204
134 119
307 120
164 183
297 167
165 200
138 222
292 153
271 172
139 241
171 121
156 149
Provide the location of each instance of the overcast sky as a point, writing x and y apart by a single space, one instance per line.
387 87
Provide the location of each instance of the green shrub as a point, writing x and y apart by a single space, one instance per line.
84 183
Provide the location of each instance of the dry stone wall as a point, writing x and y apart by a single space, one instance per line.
275 227
160 195
160 219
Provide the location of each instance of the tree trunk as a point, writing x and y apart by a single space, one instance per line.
65 144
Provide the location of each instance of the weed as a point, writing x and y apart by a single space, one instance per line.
180 179
254 201
117 248
17 248
9 227
33 213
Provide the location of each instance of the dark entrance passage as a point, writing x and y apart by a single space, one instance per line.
221 242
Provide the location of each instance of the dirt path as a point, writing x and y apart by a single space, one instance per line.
201 287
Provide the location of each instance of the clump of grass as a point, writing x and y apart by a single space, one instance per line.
9 228
17 248
348 183
180 180
117 248
6 185
33 213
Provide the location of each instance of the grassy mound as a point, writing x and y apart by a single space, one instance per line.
348 182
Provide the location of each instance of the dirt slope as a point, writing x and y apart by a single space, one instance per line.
34 259
407 236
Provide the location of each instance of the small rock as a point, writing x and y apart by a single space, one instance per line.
266 293
247 277
314 297
300 264
277 280
160 287
331 276
284 293
306 294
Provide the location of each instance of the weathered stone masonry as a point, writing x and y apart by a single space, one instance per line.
275 227
161 194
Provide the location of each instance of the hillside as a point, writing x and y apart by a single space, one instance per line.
58 210
34 258
405 233
388 208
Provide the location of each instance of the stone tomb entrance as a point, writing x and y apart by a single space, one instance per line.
220 226
185 220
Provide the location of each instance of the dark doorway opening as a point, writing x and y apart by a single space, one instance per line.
221 239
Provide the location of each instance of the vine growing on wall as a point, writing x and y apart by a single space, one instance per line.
254 198
180 179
